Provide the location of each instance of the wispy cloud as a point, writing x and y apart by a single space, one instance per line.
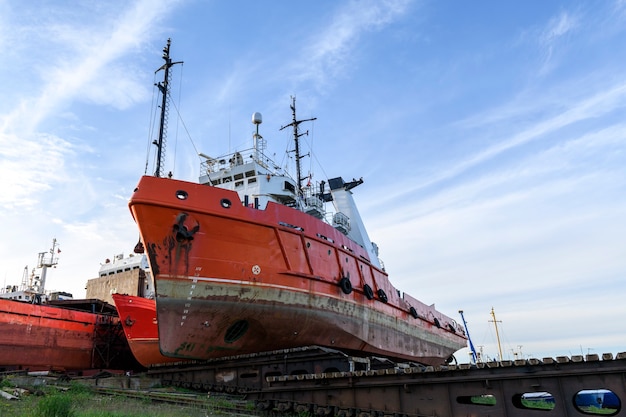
585 108
28 168
331 49
85 69
581 172
554 35
557 28
62 58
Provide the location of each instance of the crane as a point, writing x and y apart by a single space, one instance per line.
469 339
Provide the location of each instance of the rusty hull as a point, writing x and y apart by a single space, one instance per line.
233 279
44 337
138 318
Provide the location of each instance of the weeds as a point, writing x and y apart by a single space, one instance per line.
6 382
57 405
82 402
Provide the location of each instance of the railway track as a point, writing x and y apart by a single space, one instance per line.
225 404
328 383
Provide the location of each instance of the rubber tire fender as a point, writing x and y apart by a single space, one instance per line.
346 285
369 293
382 296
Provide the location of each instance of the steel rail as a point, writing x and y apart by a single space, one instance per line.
493 390
328 383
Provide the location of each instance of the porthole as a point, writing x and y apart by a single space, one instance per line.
534 401
236 331
597 402
308 244
485 399
226 203
181 194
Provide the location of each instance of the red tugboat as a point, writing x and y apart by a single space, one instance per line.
251 259
138 318
40 331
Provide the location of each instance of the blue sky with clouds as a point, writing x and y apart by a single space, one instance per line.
491 137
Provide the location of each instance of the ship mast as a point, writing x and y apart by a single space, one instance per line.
296 135
164 88
495 323
44 264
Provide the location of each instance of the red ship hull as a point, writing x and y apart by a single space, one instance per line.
138 318
233 279
43 337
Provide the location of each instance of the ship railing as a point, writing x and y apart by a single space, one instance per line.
382 264
311 203
211 165
341 222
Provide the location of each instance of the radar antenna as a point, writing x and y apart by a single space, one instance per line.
164 88
296 135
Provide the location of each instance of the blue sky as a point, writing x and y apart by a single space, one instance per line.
490 135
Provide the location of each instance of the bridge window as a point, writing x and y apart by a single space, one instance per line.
483 399
597 402
289 187
534 401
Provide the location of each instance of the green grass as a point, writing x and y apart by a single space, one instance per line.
57 405
598 411
538 405
79 401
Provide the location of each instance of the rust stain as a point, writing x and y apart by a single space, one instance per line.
179 244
